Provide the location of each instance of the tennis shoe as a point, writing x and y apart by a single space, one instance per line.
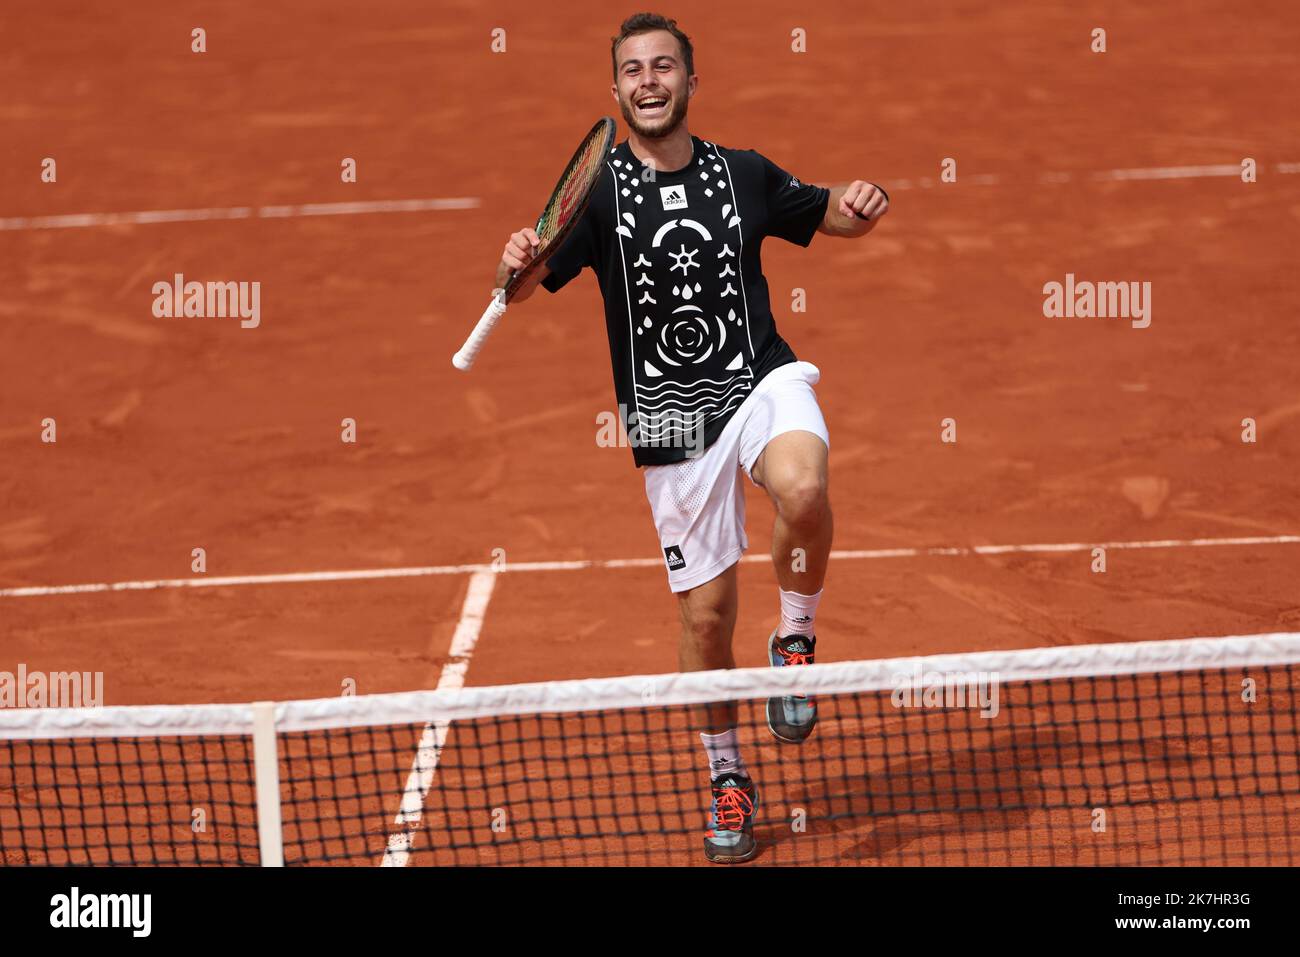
791 719
730 837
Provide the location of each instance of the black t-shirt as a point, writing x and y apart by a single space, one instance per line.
686 304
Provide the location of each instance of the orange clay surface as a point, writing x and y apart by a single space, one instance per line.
175 434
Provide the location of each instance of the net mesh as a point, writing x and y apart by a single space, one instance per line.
1091 758
128 800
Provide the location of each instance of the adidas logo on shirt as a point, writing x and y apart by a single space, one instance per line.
673 555
673 197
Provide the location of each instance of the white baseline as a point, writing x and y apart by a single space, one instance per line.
152 216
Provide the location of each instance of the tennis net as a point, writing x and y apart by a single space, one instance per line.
1165 752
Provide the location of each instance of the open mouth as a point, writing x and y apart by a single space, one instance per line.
652 106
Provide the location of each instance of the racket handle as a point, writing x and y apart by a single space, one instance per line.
463 359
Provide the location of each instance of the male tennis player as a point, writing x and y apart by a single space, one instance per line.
705 384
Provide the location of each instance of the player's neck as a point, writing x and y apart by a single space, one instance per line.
668 154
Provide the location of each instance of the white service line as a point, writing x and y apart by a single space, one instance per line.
434 735
420 571
1066 547
149 217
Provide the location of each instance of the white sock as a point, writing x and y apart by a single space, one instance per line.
723 751
798 612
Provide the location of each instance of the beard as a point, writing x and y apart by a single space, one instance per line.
655 129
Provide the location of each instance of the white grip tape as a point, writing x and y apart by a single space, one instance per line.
463 359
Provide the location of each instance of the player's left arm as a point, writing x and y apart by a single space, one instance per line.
854 209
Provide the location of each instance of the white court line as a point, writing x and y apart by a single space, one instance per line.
1171 172
421 571
434 735
149 217
1109 175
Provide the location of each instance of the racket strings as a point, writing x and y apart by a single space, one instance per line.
575 185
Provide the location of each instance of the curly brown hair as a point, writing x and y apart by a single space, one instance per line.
645 23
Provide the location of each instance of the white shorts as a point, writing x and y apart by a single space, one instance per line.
699 504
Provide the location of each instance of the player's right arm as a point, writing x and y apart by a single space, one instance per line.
519 252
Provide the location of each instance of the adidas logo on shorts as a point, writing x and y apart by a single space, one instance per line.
673 555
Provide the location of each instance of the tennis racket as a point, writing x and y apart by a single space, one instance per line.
563 210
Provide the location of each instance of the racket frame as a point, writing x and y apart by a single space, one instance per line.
603 131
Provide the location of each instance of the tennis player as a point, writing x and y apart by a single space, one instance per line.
706 387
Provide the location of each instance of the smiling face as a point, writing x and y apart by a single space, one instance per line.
651 85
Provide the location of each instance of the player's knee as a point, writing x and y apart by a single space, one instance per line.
802 500
704 624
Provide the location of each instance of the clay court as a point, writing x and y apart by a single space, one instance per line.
475 531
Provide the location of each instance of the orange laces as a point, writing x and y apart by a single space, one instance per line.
795 657
733 805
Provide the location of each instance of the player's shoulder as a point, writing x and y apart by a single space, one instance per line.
607 182
618 164
746 162
731 153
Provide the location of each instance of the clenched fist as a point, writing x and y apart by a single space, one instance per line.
863 200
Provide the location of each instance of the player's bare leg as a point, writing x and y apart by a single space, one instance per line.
708 614
792 469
